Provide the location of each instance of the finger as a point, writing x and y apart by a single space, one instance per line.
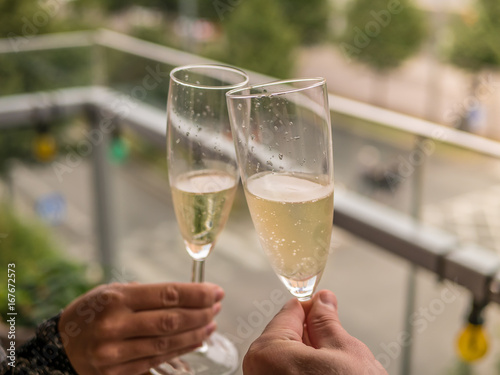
158 296
141 348
167 321
288 323
143 365
323 324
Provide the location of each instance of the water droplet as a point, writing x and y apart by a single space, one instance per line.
197 82
280 156
240 106
275 128
187 134
290 123
297 137
252 137
178 140
269 162
257 105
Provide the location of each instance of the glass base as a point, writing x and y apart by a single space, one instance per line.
218 356
302 289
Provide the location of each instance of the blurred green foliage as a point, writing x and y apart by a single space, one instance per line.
476 43
310 18
259 38
381 33
45 281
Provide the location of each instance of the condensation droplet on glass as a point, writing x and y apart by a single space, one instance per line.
240 106
187 134
290 123
275 127
197 82
280 156
296 137
252 137
257 105
178 140
269 162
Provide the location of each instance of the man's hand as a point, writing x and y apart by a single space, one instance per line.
309 340
129 328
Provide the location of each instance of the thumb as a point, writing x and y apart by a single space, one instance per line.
323 324
288 323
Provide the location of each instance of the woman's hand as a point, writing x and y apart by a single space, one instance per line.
129 328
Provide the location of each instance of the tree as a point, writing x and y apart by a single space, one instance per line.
383 33
476 48
259 38
476 41
309 18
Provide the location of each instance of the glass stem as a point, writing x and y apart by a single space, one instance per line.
198 275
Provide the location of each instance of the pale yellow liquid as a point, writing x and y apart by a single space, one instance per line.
202 202
293 217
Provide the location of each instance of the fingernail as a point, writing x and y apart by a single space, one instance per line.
219 294
216 308
211 328
328 298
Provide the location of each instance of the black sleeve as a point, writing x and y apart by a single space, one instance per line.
44 354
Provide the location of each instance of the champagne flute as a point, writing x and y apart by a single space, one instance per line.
283 141
203 175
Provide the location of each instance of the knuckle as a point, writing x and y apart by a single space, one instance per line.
106 328
103 354
169 322
110 295
161 345
109 371
169 296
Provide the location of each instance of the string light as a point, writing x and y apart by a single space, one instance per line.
44 145
473 342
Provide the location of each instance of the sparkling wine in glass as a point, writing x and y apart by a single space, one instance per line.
203 175
283 141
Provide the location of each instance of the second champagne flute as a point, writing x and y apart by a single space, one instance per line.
283 140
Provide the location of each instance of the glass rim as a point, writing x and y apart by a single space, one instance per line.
209 66
316 81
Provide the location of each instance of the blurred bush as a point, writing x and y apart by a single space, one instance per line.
476 37
383 36
259 38
46 281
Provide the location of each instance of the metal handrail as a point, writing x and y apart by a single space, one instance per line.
165 55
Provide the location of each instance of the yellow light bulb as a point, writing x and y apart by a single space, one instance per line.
45 147
472 343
